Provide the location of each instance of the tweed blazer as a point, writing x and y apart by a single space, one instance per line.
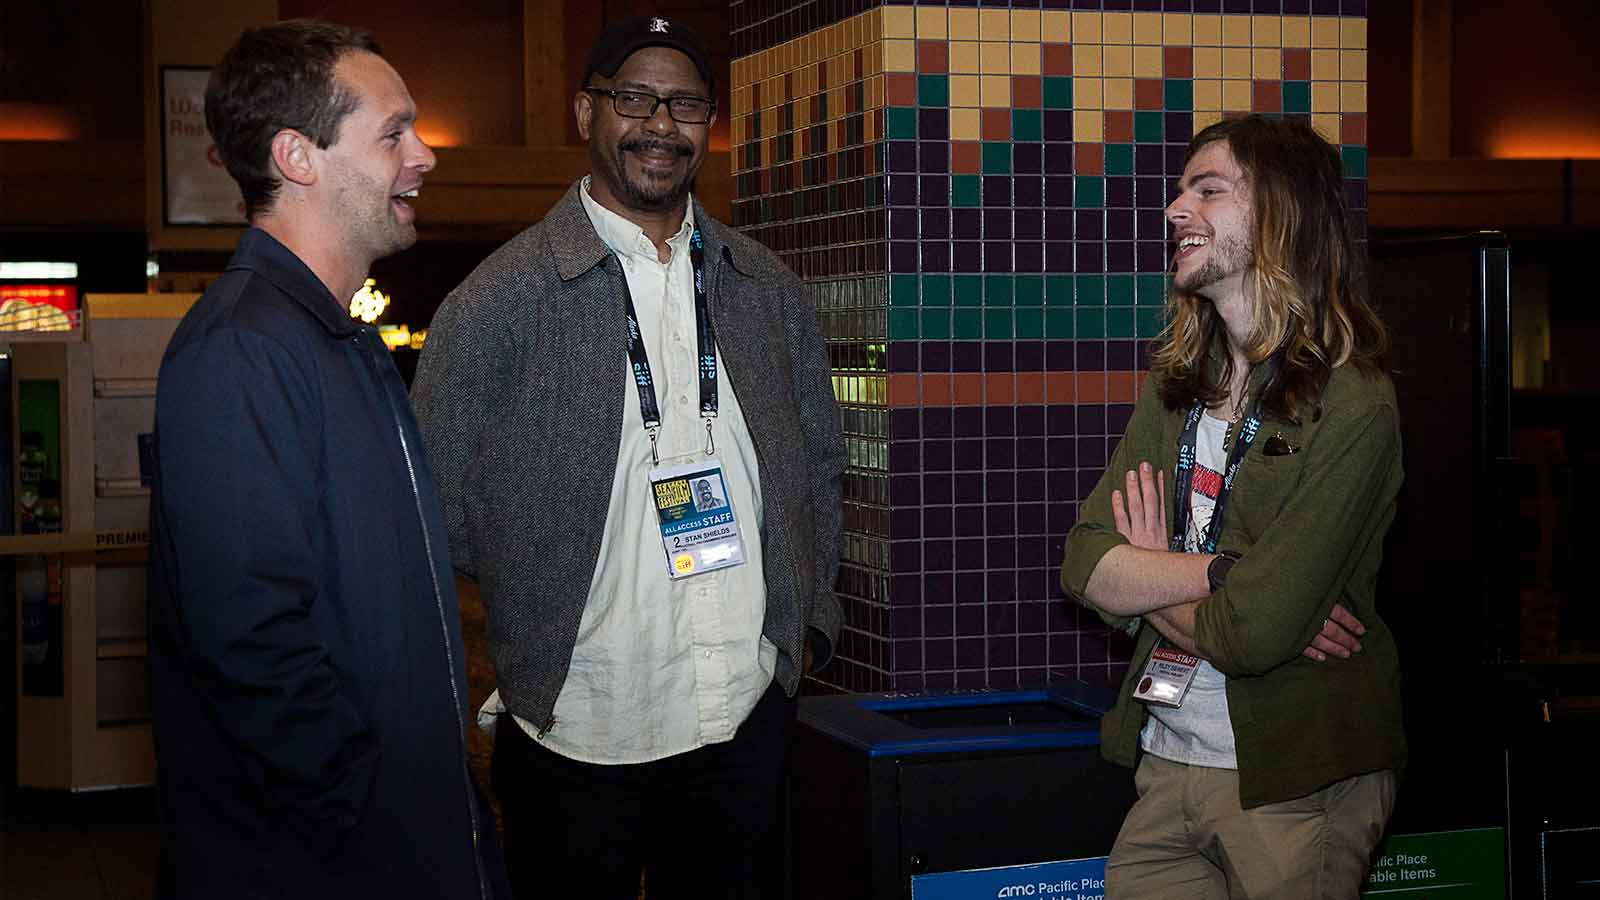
520 400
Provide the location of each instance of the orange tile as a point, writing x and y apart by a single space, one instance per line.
966 157
1120 387
900 89
1266 96
1027 92
1297 65
1353 128
1091 387
966 389
1001 388
933 57
1147 94
1178 62
903 391
1060 387
1119 126
935 390
1056 59
1088 158
1030 387
996 125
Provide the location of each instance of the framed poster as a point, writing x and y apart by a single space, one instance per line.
195 188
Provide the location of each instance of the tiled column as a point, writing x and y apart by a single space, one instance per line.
973 193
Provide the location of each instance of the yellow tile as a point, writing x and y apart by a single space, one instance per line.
1236 95
1353 65
735 130
1207 62
1266 31
1086 59
966 124
1324 97
1024 59
1353 97
1119 93
994 24
802 113
1207 93
1267 63
1117 28
1324 31
1147 62
964 57
1353 33
1327 125
1204 120
875 93
899 56
964 90
1147 28
1025 25
1117 61
869 129
994 90
1087 93
1296 31
1324 65
1235 62
1055 26
1088 125
1207 30
1235 31
899 21
931 23
1086 28
994 58
1177 29
964 24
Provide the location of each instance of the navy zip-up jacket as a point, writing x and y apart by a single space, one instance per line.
307 672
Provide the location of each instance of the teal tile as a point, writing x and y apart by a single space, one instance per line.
936 290
935 324
1149 321
1030 290
965 190
1147 127
1057 92
1355 161
1030 324
1179 94
1091 290
903 325
900 123
969 290
968 324
998 291
902 290
1149 290
997 324
996 158
1058 290
1026 125
1119 159
1088 323
1058 324
1119 290
1119 322
933 90
1088 191
1297 96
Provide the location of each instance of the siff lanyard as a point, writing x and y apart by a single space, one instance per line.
706 343
1185 472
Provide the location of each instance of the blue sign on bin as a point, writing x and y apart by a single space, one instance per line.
1072 879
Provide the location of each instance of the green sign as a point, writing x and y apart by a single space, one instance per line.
1455 865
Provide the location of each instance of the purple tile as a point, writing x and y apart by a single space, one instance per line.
1090 256
968 455
1030 487
937 587
997 190
1032 616
1002 613
1063 649
969 602
1031 592
969 487
902 156
1150 256
969 662
1150 222
998 356
1355 193
1142 361
966 224
902 358
1002 652
969 553
1091 357
1148 160
935 223
1029 256
997 256
1057 256
904 456
1272 7
906 656
1147 5
934 191
933 124
1031 649
1090 224
966 356
905 556
1086 482
1030 356
968 523
1061 484
938 490
1207 6
1176 155
944 679
936 419
1030 423
937 523
1061 516
1119 224
968 421
966 256
936 456
905 523
1325 7
1091 419
1060 453
1029 225
1028 192
1000 453
1027 159
1001 552
933 156
1000 421
903 224
1119 358
1117 416
1177 5
1058 192
902 256
1058 221
997 224
938 620
1056 127
1030 453
1092 452
1060 419
902 190
1119 256
1119 191
1236 6
999 520
905 489
935 256
938 556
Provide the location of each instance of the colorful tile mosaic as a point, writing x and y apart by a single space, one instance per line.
973 194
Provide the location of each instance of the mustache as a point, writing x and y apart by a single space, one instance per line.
656 145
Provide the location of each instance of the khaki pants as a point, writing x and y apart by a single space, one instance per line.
1186 837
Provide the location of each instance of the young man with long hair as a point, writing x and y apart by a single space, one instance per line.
1238 531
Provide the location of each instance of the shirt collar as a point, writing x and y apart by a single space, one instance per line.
626 238
263 254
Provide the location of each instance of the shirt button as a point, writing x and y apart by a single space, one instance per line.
708 654
683 399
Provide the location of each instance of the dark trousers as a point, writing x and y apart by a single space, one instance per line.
702 824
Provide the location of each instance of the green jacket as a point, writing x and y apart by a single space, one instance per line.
1309 527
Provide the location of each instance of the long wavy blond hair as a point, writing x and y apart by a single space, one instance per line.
1307 277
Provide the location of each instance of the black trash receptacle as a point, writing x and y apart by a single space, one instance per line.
888 786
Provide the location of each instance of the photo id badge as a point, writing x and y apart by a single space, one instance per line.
698 528
1166 677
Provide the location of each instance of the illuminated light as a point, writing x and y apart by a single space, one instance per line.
38 271
395 336
37 122
436 135
63 297
1555 142
418 338
152 269
368 303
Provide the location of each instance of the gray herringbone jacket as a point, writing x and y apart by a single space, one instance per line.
521 405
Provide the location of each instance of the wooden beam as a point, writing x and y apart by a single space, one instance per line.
544 72
1431 48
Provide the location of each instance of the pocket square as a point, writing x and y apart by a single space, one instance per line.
1278 445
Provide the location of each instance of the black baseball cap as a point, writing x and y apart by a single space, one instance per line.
622 40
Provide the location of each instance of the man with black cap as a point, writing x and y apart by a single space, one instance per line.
573 391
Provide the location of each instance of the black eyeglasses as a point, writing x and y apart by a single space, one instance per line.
639 105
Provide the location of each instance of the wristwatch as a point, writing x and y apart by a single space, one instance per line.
1217 569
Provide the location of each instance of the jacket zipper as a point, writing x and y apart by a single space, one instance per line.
438 600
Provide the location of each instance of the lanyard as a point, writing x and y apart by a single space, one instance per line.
1185 472
706 344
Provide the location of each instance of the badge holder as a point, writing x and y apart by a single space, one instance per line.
699 531
1166 677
